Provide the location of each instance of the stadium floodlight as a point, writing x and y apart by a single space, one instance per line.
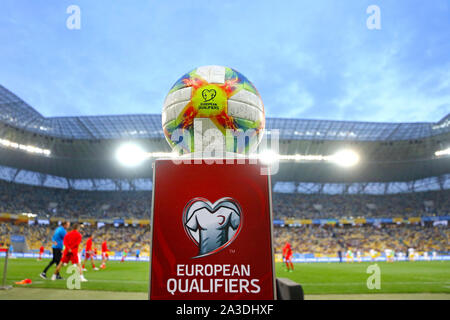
345 158
172 154
303 157
130 155
28 148
268 156
440 153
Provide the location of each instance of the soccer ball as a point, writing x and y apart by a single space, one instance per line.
213 106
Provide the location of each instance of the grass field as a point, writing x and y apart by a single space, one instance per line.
400 280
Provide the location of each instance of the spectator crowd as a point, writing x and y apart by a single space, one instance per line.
131 238
318 239
322 206
327 240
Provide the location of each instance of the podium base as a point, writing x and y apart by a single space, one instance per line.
289 290
6 288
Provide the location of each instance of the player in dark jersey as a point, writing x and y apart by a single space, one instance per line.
57 247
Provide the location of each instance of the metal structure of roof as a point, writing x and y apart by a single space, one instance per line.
19 114
82 148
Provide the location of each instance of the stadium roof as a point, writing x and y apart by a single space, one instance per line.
83 147
19 114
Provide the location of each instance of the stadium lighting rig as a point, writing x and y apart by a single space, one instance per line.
131 155
345 158
267 156
27 148
304 157
440 153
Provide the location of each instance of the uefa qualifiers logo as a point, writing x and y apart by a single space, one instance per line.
208 94
212 227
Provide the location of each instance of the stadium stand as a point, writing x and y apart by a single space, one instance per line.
48 202
316 206
328 240
118 238
314 238
64 168
318 240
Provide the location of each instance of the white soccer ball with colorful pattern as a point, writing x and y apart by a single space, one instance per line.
218 98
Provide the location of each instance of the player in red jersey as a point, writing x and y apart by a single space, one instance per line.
41 252
89 253
287 257
71 242
124 255
104 254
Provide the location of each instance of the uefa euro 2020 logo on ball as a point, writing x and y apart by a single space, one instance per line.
212 226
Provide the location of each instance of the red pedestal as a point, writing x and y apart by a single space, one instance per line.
211 232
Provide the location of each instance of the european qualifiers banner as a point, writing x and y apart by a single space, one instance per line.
211 232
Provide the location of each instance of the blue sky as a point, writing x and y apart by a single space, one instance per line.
308 59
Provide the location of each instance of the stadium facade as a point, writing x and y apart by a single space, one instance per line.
78 152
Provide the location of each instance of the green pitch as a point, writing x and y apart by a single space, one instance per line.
351 278
120 279
127 276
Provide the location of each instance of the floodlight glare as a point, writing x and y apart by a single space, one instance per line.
445 152
268 157
130 155
345 158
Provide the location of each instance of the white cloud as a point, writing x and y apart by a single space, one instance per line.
379 88
293 100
